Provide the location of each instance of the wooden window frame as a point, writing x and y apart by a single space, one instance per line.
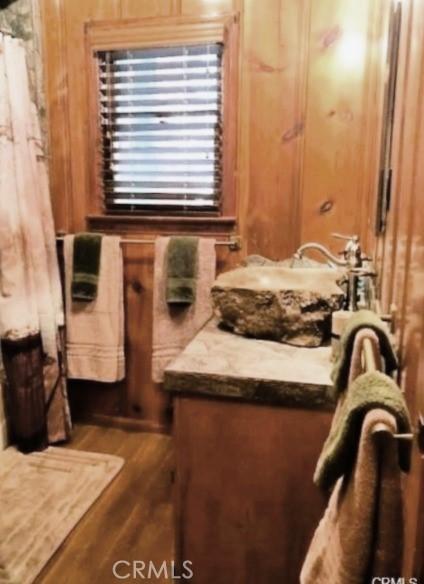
157 32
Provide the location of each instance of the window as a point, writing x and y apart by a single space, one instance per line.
161 126
164 117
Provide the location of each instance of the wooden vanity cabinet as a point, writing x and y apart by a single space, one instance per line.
245 504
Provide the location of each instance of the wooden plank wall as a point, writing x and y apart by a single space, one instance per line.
342 110
308 121
400 256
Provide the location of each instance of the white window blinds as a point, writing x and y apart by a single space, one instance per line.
161 122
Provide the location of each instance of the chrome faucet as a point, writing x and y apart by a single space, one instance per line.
352 259
352 253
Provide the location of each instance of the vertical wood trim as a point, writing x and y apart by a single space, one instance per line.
95 202
387 264
373 98
230 115
56 85
414 199
242 194
414 119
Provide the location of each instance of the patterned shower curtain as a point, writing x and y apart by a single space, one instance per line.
31 310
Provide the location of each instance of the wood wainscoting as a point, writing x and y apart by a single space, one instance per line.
306 160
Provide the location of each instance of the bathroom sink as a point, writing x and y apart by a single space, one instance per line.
288 305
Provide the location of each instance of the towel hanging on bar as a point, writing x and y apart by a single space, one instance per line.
370 365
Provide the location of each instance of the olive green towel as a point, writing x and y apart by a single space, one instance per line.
182 263
369 391
359 320
86 266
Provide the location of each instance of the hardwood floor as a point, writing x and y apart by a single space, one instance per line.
132 520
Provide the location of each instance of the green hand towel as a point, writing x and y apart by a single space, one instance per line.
181 270
86 266
368 391
359 320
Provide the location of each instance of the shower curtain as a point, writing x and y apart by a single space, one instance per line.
31 310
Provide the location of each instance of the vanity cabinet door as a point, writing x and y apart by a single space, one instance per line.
246 507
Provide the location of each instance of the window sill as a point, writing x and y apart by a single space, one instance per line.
162 224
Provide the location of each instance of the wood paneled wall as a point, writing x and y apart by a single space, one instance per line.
306 161
400 256
343 106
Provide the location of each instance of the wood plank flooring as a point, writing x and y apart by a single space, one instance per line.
132 520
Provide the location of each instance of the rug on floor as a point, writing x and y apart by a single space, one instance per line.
43 496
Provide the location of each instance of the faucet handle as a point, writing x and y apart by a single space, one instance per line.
354 238
352 251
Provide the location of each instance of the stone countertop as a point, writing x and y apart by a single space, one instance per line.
224 365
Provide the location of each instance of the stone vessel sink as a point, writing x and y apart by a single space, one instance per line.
291 306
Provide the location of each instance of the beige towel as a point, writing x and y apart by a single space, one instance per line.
95 330
356 364
360 535
174 326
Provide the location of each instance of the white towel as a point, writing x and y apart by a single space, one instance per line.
174 327
95 330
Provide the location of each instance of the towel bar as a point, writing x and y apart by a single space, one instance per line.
370 365
368 356
383 428
233 242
